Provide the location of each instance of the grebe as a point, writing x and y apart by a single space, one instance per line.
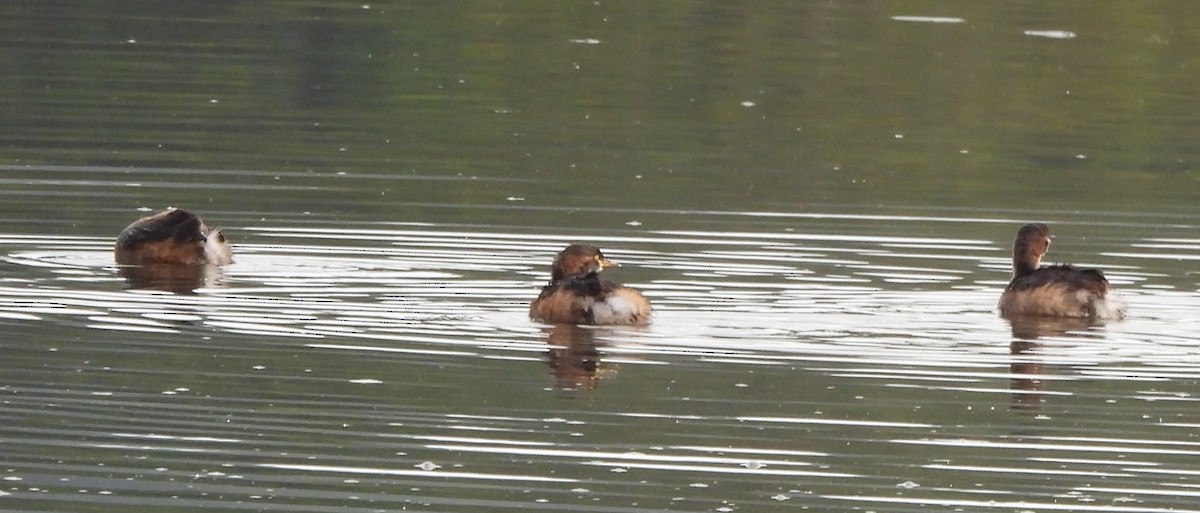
577 295
173 236
1056 290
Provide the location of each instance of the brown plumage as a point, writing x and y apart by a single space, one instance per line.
173 236
577 295
1057 290
574 356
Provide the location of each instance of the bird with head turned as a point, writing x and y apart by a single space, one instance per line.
173 236
1056 290
577 295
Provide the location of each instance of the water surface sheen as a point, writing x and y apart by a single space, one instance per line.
818 199
393 366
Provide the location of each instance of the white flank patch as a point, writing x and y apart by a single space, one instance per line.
613 310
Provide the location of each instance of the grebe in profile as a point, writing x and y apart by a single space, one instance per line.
173 236
577 295
1056 290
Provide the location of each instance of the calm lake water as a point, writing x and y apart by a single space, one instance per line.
818 198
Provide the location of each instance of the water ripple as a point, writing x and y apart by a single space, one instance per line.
780 366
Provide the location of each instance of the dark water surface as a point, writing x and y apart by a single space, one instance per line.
818 198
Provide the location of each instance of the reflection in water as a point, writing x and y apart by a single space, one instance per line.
356 355
1026 383
1033 327
371 350
573 356
177 278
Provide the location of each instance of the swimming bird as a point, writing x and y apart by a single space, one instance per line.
577 295
173 236
1056 290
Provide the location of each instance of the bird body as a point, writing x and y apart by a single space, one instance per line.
1056 290
577 295
173 236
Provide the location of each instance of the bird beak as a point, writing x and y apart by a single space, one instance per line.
606 263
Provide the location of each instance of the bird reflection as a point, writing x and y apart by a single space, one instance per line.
1025 384
1033 327
177 278
1026 367
574 357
